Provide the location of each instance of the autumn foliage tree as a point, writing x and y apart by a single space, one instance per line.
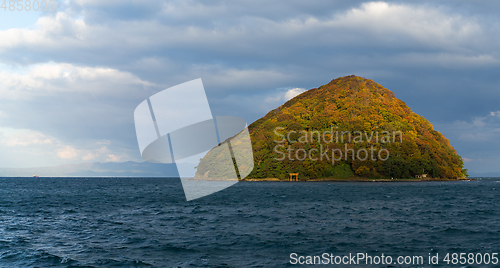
353 103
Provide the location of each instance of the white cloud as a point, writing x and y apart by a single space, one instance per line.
113 158
192 9
292 93
95 154
23 137
89 156
373 24
47 79
68 152
42 149
467 160
49 30
496 113
281 96
419 23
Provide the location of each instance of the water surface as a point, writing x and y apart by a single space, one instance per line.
146 222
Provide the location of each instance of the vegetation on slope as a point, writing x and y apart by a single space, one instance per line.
351 105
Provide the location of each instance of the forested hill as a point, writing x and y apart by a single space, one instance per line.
370 132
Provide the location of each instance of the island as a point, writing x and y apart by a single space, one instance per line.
351 129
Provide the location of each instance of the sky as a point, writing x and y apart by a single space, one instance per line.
71 78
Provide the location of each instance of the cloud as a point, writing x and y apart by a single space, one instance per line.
476 140
213 29
73 104
191 9
443 59
113 158
253 105
48 150
467 160
283 95
405 23
496 113
48 30
67 152
292 93
97 154
77 74
26 138
52 78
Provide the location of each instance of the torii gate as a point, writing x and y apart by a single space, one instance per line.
296 175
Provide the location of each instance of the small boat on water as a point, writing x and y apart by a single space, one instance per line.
35 176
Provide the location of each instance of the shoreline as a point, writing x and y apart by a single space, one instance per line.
356 180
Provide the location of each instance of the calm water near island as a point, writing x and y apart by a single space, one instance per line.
146 222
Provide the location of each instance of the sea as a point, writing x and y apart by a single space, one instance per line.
146 222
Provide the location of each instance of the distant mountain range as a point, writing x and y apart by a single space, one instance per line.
97 169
